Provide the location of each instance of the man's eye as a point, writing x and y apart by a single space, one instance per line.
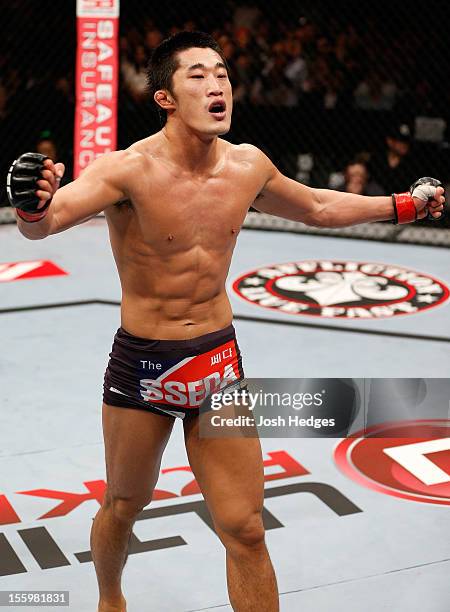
223 76
197 76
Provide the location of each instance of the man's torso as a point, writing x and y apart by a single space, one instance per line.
174 239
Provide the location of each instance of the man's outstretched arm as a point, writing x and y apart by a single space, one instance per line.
284 197
102 184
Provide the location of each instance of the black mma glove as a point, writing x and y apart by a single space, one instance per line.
419 190
21 186
404 206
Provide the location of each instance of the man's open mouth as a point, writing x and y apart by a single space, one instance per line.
217 108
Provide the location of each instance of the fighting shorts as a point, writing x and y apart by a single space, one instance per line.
171 377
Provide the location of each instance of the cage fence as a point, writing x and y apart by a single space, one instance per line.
344 95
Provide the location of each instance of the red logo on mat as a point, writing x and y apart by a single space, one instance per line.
413 462
341 289
29 269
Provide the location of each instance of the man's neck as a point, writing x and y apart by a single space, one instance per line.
192 152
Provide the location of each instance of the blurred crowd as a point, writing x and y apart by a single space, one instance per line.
342 58
279 62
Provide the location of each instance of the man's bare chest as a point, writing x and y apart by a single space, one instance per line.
204 210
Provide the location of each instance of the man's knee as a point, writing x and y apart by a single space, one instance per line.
241 528
125 508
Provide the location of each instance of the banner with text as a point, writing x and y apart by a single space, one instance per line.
96 81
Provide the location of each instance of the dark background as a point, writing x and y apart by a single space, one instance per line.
316 83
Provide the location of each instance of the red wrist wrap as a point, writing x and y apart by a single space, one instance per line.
31 217
404 208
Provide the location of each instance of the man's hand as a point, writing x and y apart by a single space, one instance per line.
425 198
429 199
31 184
51 177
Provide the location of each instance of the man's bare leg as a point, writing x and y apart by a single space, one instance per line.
230 474
251 580
134 444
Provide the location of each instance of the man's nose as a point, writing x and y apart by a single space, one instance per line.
214 86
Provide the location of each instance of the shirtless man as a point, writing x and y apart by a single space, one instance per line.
175 203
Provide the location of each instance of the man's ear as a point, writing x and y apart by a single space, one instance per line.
164 99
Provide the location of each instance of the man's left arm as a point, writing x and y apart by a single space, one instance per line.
284 197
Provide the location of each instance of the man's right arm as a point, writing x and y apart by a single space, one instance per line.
102 184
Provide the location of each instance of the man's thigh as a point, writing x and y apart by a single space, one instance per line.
134 444
229 471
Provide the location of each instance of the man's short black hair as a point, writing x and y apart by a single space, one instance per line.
164 62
